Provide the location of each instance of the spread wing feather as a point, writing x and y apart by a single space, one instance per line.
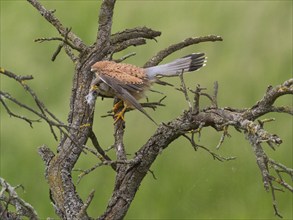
123 92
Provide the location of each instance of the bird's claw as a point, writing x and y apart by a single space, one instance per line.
119 115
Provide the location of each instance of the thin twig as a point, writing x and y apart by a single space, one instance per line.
49 16
29 121
85 206
153 174
224 134
214 155
64 40
128 43
215 95
105 163
184 90
275 207
52 122
96 144
125 57
18 78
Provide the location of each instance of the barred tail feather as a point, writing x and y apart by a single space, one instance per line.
188 63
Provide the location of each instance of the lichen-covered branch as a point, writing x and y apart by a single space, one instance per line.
189 121
105 24
67 203
265 105
9 197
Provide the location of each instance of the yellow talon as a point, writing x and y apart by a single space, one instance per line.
94 88
119 115
2 70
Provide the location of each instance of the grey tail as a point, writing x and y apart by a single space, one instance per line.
188 63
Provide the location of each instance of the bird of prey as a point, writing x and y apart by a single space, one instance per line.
129 83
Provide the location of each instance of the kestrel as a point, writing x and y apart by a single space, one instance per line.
129 83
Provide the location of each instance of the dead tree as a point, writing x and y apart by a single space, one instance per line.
130 172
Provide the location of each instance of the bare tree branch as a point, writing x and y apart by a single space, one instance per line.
96 144
18 78
43 112
132 37
105 24
265 105
49 16
66 44
125 44
217 118
138 32
67 202
155 60
83 209
213 154
9 196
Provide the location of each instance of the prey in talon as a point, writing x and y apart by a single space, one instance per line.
129 83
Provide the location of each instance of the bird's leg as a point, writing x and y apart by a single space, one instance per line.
120 114
94 84
117 105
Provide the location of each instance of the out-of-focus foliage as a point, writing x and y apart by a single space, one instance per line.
256 52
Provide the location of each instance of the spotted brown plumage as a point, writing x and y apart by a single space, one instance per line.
129 82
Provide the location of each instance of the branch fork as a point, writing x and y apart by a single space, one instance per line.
131 172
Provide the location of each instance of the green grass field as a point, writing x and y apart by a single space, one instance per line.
256 52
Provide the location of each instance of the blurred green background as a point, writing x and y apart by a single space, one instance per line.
256 52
